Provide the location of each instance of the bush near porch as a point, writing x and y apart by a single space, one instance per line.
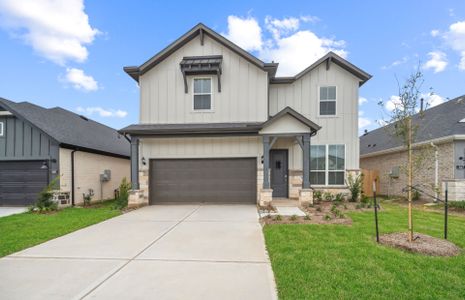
21 231
344 262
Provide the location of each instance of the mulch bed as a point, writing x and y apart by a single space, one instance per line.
302 220
422 243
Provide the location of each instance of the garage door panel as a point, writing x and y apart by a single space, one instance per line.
203 180
20 182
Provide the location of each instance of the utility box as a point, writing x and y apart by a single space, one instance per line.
106 176
395 172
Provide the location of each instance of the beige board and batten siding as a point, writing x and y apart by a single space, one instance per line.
303 96
87 170
243 96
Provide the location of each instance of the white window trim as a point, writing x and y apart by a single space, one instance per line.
319 100
211 95
327 170
2 126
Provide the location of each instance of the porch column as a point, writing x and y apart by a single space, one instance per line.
266 162
135 163
306 162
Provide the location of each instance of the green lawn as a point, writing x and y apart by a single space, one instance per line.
24 230
344 262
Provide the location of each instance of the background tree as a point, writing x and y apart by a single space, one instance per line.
401 127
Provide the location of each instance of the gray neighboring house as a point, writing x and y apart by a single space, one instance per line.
39 144
217 125
442 126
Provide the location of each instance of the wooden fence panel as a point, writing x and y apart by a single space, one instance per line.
368 177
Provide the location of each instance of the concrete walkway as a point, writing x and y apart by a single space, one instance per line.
157 252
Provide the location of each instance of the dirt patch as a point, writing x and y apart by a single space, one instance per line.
422 243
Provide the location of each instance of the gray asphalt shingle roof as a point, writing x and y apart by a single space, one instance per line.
439 121
69 128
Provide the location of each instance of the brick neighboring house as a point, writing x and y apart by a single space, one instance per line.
442 126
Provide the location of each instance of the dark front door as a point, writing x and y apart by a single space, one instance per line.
279 170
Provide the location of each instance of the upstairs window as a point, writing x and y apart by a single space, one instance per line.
1 129
327 101
202 93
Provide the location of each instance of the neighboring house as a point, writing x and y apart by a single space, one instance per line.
214 119
442 130
39 144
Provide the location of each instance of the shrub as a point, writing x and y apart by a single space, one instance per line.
355 184
333 208
339 198
457 204
358 206
278 218
293 218
123 195
415 195
317 196
44 201
318 209
328 196
327 217
88 197
307 218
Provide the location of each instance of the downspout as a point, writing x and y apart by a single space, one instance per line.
72 177
436 171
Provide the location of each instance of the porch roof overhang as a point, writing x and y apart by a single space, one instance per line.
290 123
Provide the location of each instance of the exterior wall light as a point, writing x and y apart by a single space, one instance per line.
144 162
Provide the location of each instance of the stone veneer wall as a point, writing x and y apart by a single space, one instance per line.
393 186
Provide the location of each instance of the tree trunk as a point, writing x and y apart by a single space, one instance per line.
410 181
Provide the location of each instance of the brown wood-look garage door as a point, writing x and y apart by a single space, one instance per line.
224 180
20 182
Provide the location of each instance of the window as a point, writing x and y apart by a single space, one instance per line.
1 128
327 101
327 164
202 94
318 164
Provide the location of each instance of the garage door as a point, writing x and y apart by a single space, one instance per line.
203 180
20 182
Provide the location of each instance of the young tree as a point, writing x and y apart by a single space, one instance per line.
405 106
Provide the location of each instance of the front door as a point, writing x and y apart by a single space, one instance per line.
278 166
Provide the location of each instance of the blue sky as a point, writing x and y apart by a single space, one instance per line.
72 54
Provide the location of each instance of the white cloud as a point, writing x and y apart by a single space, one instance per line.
293 48
434 33
396 63
362 121
309 19
455 38
245 32
432 100
437 62
362 100
281 26
80 80
57 30
393 103
102 112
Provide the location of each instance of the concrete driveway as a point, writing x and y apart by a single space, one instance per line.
8 211
157 252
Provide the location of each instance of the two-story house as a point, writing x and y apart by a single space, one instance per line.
217 125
